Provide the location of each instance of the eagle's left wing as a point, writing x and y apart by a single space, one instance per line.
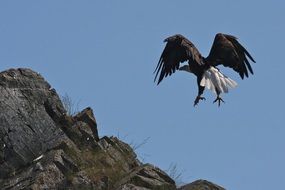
226 50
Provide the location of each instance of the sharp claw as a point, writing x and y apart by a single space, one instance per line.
219 100
198 98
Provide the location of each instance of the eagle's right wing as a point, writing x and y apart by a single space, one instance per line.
177 50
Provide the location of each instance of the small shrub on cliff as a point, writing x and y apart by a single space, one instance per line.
71 107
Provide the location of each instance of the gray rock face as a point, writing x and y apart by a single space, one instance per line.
41 147
29 109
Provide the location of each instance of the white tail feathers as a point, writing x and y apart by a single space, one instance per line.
214 80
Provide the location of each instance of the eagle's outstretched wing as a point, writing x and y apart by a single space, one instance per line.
177 50
226 50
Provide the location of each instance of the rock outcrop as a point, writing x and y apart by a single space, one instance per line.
42 147
201 185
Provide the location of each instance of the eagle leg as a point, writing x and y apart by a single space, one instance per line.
198 98
219 100
200 92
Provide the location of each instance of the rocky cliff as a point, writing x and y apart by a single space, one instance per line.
42 147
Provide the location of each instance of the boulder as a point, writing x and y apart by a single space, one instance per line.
201 185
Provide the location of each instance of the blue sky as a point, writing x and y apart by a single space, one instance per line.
102 54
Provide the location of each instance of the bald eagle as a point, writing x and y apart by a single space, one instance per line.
226 51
